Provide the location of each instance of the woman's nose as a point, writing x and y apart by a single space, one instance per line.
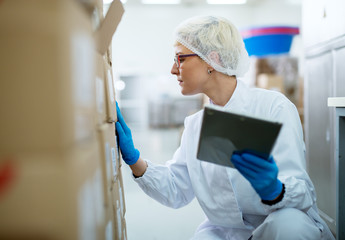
174 69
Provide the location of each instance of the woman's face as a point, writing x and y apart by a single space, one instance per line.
192 74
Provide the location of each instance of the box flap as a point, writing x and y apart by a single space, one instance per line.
105 32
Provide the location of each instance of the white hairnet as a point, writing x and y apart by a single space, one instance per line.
217 41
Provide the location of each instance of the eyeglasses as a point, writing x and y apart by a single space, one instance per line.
178 57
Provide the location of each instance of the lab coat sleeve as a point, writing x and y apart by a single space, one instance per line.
169 184
289 154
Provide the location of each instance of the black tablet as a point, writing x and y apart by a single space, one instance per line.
223 132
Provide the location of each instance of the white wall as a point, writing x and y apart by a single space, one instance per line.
143 41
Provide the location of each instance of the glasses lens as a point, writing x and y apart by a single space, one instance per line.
176 60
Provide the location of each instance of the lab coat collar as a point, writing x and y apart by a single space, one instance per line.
238 97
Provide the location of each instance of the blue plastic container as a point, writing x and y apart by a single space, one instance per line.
265 41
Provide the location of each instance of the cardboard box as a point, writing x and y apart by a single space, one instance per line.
110 94
107 153
114 151
118 220
116 161
284 66
103 39
94 9
57 55
270 82
100 82
118 195
52 195
109 231
124 230
105 92
105 32
61 158
117 152
47 101
118 203
110 56
121 193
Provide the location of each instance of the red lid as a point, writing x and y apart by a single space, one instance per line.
269 31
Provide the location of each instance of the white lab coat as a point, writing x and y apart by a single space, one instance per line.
225 196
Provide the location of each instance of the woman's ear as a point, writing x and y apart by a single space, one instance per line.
210 69
214 57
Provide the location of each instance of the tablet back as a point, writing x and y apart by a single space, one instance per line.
223 132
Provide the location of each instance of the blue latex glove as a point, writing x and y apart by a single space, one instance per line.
129 153
261 173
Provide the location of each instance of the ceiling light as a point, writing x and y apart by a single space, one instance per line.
161 1
110 1
226 1
120 85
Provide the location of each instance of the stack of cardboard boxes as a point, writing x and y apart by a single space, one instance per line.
60 175
280 73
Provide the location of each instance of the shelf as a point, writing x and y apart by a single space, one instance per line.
336 102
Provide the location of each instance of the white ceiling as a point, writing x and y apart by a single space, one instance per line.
203 2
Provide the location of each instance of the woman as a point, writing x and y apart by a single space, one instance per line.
253 201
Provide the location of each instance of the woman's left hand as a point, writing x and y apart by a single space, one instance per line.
129 153
261 173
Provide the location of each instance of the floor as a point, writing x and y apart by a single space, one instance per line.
146 218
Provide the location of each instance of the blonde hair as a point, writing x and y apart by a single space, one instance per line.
176 43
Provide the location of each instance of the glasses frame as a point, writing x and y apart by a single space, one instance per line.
178 57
